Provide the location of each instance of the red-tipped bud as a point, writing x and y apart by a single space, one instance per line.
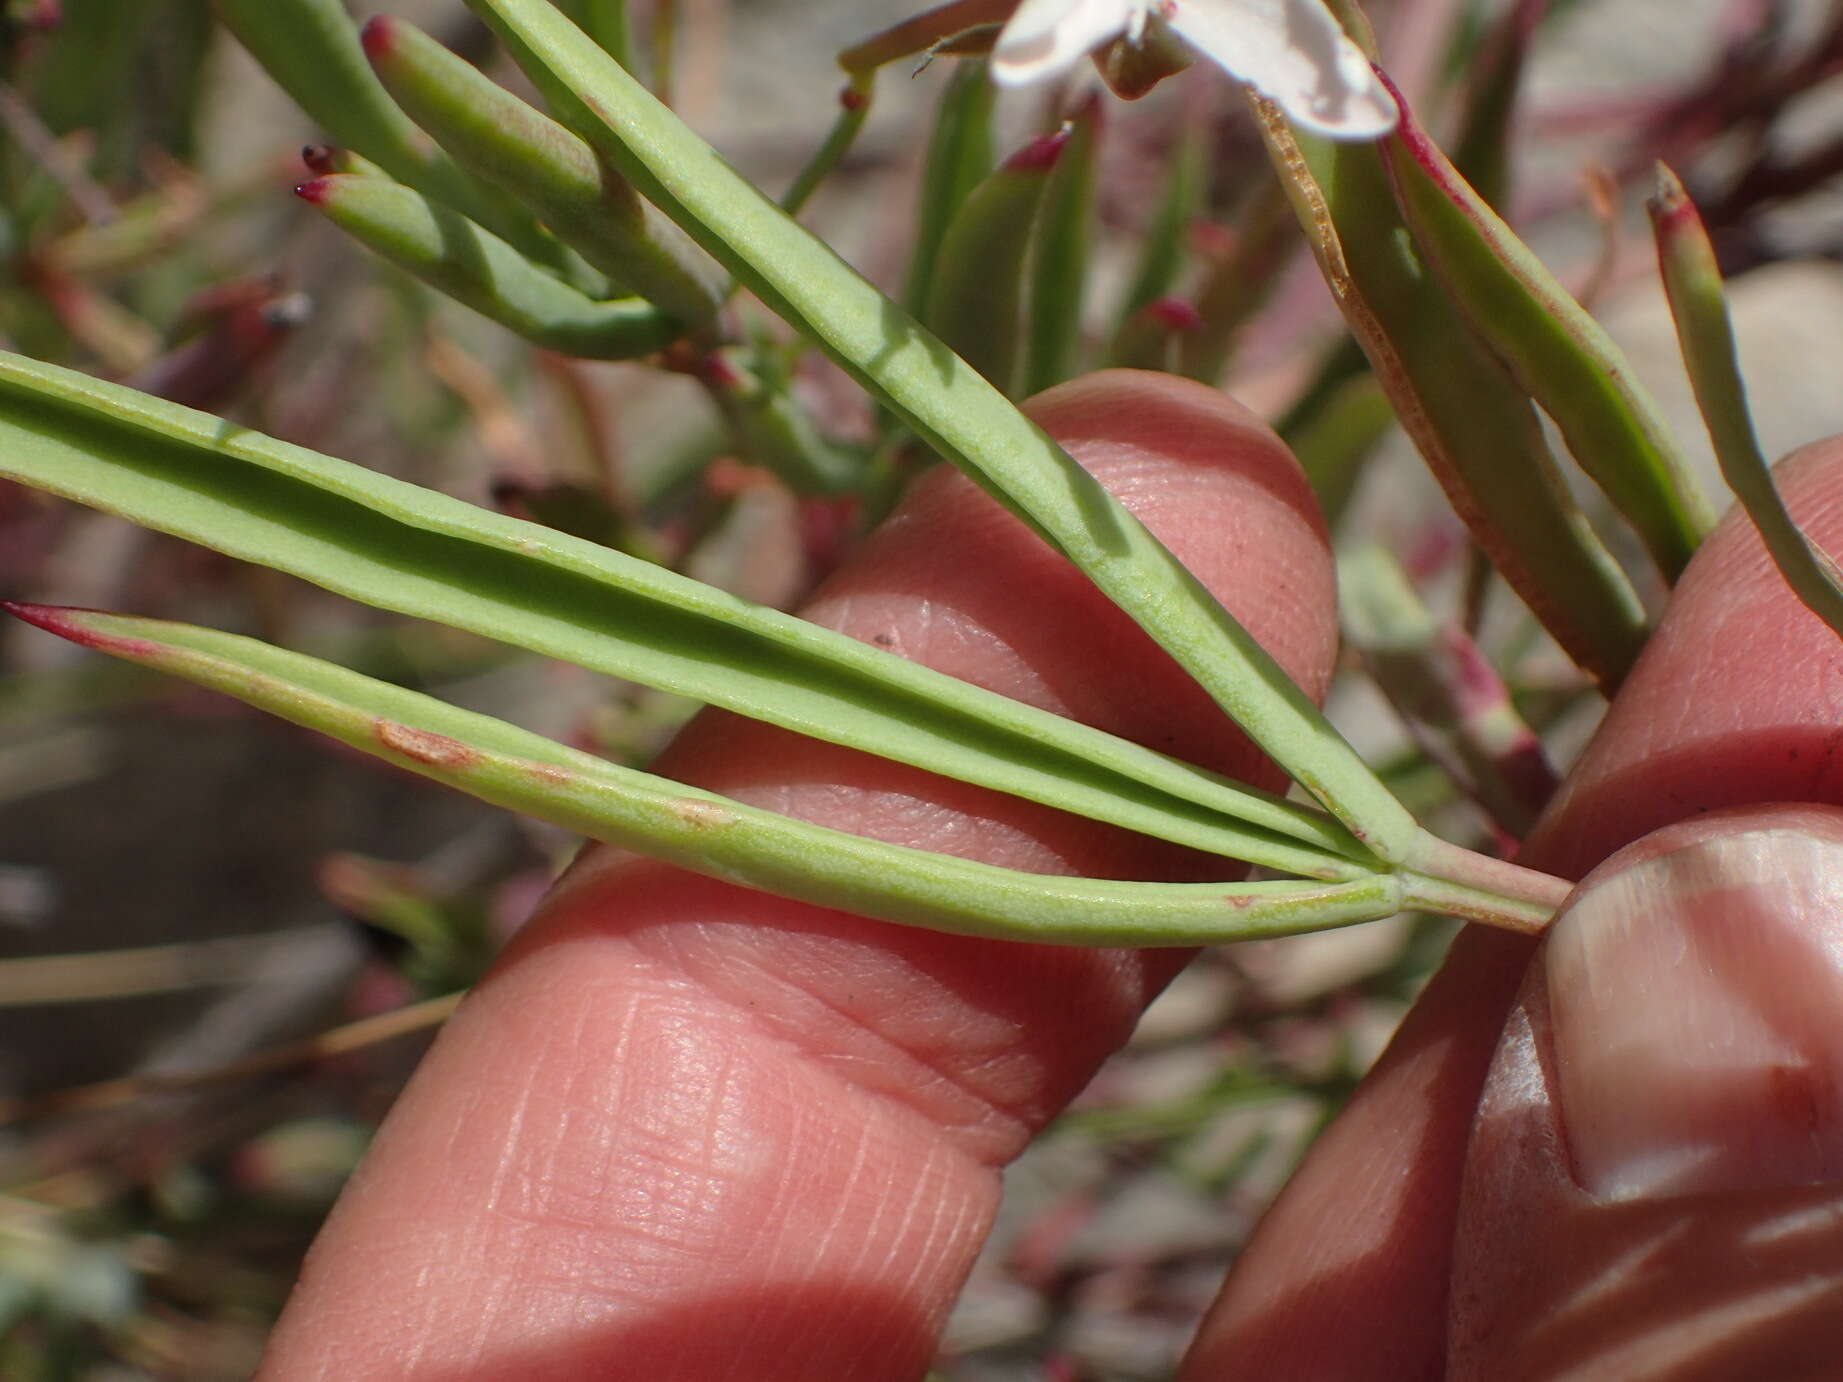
66 621
50 618
1174 314
717 370
378 36
1040 155
315 192
1673 211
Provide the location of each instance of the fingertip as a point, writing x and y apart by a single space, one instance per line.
1693 983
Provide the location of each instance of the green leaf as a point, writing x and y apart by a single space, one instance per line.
1693 283
950 407
1059 256
1474 427
400 547
496 136
960 157
708 833
977 301
474 267
1557 353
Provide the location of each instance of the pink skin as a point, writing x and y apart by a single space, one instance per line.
688 1132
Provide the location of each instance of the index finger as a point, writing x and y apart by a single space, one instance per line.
686 1131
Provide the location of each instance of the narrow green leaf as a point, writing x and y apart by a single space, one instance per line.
1474 427
710 834
311 49
960 157
1558 354
474 267
976 304
421 553
496 136
1693 283
950 407
1059 256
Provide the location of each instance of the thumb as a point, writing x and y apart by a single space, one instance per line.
1654 1186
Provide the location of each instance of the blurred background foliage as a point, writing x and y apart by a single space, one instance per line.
222 940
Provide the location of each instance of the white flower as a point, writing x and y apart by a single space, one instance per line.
1294 52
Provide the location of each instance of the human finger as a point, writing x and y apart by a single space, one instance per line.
1733 702
686 1131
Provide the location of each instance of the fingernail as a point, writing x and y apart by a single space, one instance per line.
1697 1005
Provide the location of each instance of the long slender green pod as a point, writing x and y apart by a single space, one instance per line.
711 834
421 553
935 30
853 110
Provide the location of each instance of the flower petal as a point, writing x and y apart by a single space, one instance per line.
1295 53
1045 37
